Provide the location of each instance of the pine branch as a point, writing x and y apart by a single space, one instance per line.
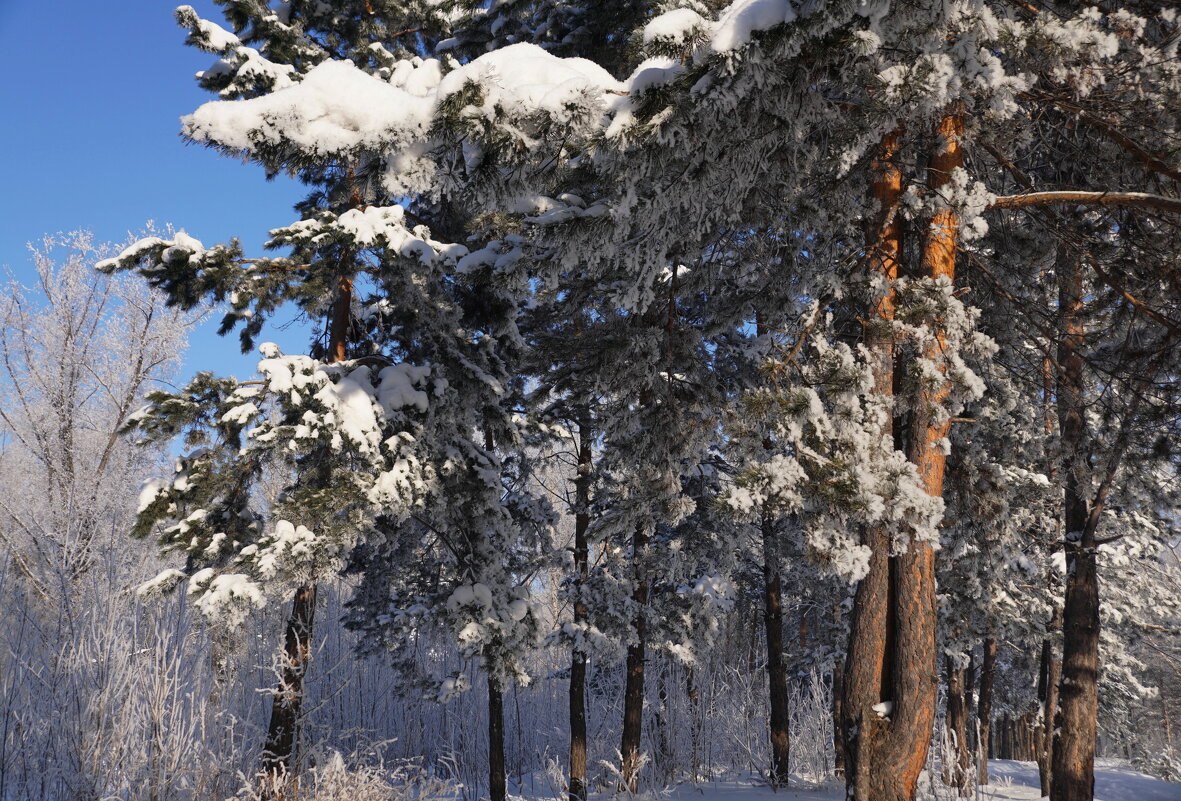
1069 196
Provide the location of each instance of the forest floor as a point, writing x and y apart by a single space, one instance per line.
1010 781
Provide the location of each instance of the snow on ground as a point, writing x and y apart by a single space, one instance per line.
1010 781
1114 781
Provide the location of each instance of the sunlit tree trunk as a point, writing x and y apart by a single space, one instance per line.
867 682
892 651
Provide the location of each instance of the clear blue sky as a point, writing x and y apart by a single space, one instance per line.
89 105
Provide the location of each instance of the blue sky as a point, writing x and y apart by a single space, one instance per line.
89 108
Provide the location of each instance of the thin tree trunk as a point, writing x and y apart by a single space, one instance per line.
984 706
633 692
776 669
1074 741
1050 671
1050 668
969 699
694 723
958 770
838 717
578 788
1164 706
497 780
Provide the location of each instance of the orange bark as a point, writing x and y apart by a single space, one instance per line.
894 619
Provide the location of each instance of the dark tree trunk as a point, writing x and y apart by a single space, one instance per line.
285 706
1074 733
694 723
776 669
633 692
297 638
1049 674
838 716
984 706
497 780
578 788
958 771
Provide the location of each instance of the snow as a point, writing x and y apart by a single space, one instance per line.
148 492
741 20
1114 781
654 72
161 584
398 387
218 37
180 248
350 402
675 26
370 227
1010 781
523 78
336 108
228 595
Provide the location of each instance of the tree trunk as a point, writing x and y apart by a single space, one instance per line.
297 639
1074 740
957 772
984 706
286 703
776 669
497 781
1050 671
694 723
578 789
838 716
866 682
889 752
633 692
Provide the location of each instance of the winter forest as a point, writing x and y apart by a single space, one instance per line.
773 399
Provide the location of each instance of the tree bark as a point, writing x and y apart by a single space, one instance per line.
578 788
776 669
694 723
1074 732
497 780
838 717
1050 672
984 706
633 692
958 770
282 730
866 682
1077 198
287 701
889 752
